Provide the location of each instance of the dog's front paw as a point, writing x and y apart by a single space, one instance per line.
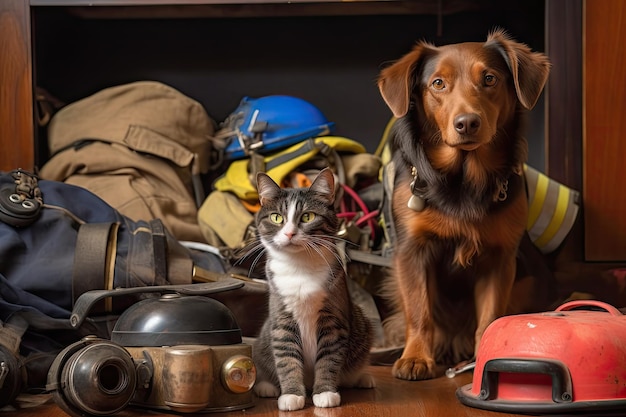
327 399
413 369
290 402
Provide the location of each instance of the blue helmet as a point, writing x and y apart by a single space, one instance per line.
271 123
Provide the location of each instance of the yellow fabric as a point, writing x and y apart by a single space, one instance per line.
236 179
223 220
383 150
557 218
536 204
553 209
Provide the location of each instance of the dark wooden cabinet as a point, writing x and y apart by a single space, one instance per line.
326 51
329 52
604 156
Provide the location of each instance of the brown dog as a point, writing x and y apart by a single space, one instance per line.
459 204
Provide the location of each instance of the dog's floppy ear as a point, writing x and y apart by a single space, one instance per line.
530 69
396 82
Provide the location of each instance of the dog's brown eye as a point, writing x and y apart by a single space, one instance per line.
438 84
490 80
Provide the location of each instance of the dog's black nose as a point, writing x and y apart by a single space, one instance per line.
467 123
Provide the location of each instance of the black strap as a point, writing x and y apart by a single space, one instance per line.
86 301
91 257
307 146
159 248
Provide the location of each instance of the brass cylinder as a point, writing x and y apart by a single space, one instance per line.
187 377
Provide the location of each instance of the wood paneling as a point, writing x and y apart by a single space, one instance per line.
16 87
604 156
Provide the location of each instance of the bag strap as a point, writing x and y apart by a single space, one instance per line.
306 147
159 249
93 269
94 258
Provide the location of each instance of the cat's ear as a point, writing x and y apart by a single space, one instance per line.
266 187
324 185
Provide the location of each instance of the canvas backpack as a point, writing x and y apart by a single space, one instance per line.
142 147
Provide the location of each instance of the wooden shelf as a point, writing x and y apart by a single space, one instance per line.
120 9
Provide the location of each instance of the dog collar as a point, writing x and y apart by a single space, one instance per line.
502 190
416 202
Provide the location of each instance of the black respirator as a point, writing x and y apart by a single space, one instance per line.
178 353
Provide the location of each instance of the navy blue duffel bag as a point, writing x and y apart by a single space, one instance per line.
58 242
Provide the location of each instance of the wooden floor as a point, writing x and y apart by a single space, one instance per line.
391 398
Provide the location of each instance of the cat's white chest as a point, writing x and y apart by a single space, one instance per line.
305 312
301 288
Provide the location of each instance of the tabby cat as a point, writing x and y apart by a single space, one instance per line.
314 337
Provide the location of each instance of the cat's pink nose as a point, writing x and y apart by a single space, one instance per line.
289 235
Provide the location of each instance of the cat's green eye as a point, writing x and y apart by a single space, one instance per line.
276 218
307 217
